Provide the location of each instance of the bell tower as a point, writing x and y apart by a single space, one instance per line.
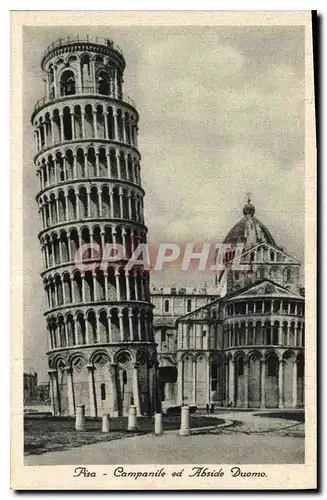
101 350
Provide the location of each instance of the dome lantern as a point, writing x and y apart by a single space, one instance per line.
249 209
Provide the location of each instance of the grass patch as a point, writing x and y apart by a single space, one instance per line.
47 433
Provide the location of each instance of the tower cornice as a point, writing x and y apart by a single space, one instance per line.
103 46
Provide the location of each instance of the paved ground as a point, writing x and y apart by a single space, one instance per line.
253 439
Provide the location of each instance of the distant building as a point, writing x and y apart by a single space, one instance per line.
30 385
43 392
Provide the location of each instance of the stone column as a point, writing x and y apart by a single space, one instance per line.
158 424
86 166
113 380
93 76
136 393
118 294
132 418
262 384
115 126
75 331
129 196
105 285
73 290
80 85
72 118
226 383
105 117
105 423
52 373
231 381
80 418
185 421
100 202
208 380
121 203
152 396
45 134
130 322
127 282
92 397
61 118
88 197
70 391
95 130
114 234
280 333
55 82
136 288
194 382
280 384
109 327
95 286
121 326
111 198
246 383
180 382
294 385
139 332
83 286
83 124
97 164
124 243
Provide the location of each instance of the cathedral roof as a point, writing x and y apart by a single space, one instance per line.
249 230
264 288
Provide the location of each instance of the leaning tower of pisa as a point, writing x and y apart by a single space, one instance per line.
101 350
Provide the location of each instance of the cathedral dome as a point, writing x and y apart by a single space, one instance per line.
249 230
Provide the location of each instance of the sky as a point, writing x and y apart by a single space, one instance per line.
221 114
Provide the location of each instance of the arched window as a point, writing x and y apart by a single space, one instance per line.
103 83
272 366
67 83
103 392
214 376
189 305
240 366
166 306
85 61
288 275
261 273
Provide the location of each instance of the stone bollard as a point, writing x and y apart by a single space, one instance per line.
132 419
80 418
105 423
185 421
158 424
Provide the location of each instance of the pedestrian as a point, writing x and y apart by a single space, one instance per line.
207 407
212 408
